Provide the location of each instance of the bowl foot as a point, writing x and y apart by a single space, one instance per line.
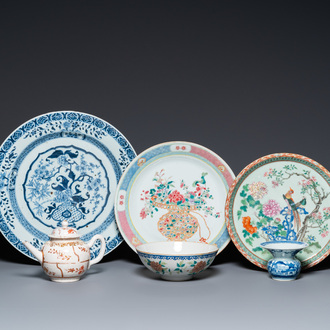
284 279
66 280
174 278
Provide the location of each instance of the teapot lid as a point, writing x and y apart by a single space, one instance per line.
64 231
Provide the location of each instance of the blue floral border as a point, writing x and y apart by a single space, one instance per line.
185 257
95 127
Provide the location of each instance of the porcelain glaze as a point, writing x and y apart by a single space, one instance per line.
61 166
174 191
284 266
177 261
280 197
65 258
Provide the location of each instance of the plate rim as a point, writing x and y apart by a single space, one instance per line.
140 155
10 136
230 194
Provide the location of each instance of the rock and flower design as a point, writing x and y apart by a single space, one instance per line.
287 203
185 205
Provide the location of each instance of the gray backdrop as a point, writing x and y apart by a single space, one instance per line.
244 79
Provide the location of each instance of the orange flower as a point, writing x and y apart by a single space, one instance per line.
247 225
156 266
199 267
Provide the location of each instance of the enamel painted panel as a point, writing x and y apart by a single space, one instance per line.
280 197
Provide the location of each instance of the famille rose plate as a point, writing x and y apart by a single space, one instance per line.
280 197
174 191
61 166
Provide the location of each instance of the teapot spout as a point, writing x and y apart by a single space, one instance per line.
34 251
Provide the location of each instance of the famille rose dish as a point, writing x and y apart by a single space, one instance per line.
280 197
61 166
174 191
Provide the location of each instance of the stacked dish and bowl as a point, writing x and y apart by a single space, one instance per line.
72 189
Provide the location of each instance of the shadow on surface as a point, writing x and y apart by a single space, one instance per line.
231 254
122 252
10 254
38 273
323 265
144 272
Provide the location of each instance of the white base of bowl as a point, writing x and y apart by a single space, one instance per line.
65 280
176 278
283 279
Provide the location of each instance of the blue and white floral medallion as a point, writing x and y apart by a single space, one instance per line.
61 166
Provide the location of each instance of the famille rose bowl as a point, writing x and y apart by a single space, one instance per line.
177 261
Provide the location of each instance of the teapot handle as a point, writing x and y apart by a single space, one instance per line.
102 249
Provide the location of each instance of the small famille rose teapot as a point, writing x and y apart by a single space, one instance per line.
65 258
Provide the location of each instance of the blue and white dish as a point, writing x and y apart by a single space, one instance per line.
61 166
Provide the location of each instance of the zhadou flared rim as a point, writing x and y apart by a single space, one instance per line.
284 245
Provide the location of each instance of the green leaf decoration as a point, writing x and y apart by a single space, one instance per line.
246 187
264 221
251 201
246 233
239 213
243 208
316 244
243 193
257 249
249 241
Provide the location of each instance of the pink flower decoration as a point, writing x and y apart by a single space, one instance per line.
143 214
258 190
271 208
325 233
175 197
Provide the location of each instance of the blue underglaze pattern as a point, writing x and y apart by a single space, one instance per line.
284 269
164 257
62 182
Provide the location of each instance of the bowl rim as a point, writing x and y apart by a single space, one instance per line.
213 251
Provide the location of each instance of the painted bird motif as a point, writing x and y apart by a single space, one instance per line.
294 208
